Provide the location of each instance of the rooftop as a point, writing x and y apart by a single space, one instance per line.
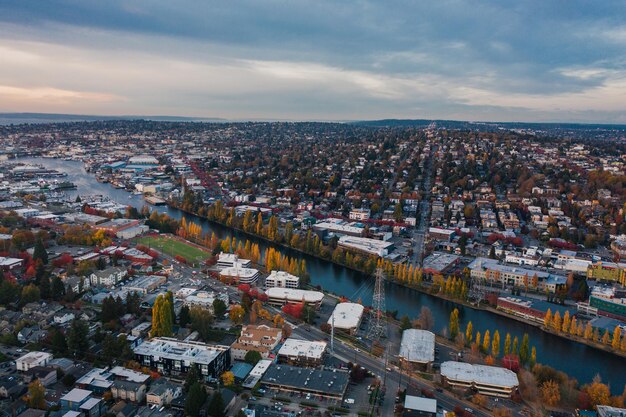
307 379
346 315
297 347
418 345
428 405
479 374
76 395
295 295
194 352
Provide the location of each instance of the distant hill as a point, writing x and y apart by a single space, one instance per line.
22 118
460 124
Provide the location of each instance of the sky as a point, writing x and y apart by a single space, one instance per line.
483 60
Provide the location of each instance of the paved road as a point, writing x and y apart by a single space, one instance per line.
419 235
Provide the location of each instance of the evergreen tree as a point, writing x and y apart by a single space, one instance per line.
192 377
77 338
183 317
216 406
195 400
44 287
40 253
58 289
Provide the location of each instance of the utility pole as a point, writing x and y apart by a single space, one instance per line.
332 333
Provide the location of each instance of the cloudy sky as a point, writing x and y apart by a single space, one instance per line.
317 60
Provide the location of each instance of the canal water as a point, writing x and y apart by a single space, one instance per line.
575 359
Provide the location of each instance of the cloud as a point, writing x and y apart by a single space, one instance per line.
482 59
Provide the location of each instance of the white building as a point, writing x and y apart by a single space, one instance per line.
417 347
302 352
205 299
282 296
237 274
487 380
346 317
360 214
108 277
282 279
229 260
31 360
366 245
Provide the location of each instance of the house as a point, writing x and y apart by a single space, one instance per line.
32 334
11 387
74 399
47 375
162 392
128 390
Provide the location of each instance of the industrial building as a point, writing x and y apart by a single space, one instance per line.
417 349
324 383
173 357
487 380
302 352
282 279
282 296
347 317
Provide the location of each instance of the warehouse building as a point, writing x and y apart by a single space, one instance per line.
173 357
323 383
487 380
346 317
417 349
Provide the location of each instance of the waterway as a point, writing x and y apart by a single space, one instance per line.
577 360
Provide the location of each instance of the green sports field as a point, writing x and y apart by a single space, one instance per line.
175 247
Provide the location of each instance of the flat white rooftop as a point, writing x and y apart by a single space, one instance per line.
346 315
193 352
418 346
428 405
479 374
76 395
302 348
239 271
295 295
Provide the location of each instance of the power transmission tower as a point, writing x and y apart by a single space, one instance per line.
378 325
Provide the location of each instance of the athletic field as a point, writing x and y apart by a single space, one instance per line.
175 247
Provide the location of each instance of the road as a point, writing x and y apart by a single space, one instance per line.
419 235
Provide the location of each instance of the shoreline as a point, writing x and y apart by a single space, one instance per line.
489 309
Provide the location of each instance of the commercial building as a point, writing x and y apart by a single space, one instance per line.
417 349
229 260
609 307
419 407
607 271
323 383
143 285
437 233
261 338
235 275
493 271
282 296
440 262
608 411
31 360
205 299
7 264
173 357
487 380
282 279
346 317
302 352
338 227
366 245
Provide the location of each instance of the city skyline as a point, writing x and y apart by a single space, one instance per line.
299 61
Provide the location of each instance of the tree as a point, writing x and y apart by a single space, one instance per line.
454 323
524 350
59 344
405 323
191 378
40 253
557 321
425 319
30 293
201 320
252 357
617 336
469 333
486 342
533 358
515 348
547 319
236 314
216 406
44 287
228 378
495 344
566 322
58 289
507 344
183 317
599 393
550 393
195 399
37 395
219 308
588 334
77 340
606 337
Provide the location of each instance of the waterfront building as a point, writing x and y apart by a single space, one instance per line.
235 275
229 260
487 380
417 349
281 296
347 317
282 279
366 245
